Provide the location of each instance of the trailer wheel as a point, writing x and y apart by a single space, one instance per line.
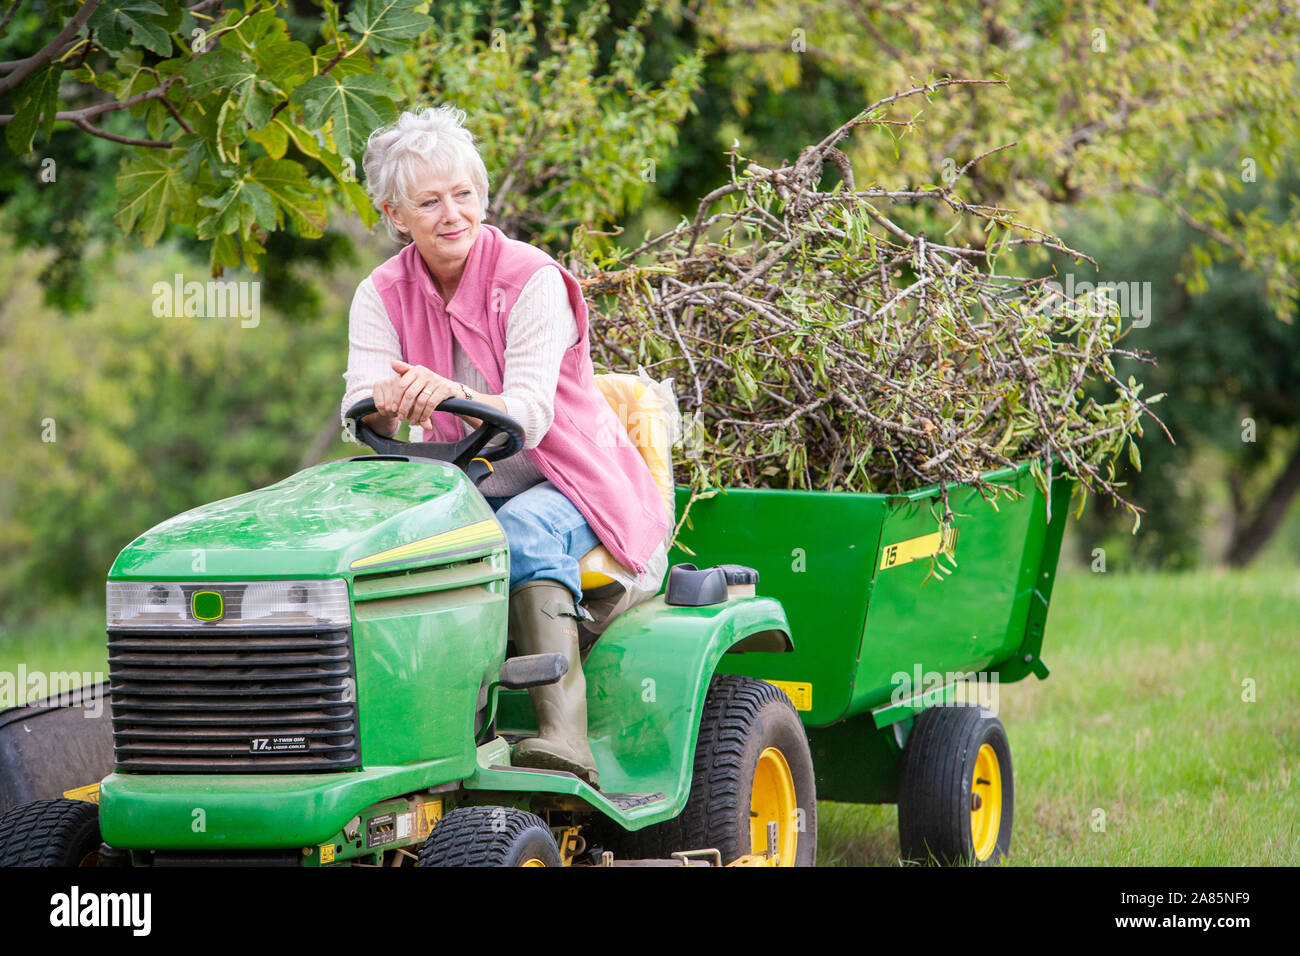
490 836
57 832
955 792
752 766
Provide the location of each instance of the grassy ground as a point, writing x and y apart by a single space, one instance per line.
1142 719
67 638
1142 728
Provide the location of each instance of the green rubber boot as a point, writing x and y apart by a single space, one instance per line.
543 620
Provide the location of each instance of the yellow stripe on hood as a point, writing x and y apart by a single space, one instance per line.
481 532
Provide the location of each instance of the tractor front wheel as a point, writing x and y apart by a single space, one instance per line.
490 836
56 832
753 774
955 793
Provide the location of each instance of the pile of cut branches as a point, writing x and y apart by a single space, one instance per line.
818 342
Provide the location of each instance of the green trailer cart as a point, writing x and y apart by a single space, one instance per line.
315 673
903 633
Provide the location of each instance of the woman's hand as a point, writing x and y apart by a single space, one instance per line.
413 394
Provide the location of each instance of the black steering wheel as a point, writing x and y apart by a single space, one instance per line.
459 453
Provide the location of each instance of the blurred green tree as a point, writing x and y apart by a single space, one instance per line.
1112 105
1232 375
122 417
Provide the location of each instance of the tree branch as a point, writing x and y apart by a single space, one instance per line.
21 69
1248 542
13 8
108 106
855 7
124 140
1191 221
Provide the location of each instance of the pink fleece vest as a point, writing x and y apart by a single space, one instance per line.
585 453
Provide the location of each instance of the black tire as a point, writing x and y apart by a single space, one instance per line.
936 799
490 836
742 718
56 832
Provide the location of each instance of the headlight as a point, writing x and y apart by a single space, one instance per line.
295 604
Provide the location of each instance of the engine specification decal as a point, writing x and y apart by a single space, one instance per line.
277 744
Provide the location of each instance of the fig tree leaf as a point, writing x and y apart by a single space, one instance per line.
287 184
355 104
119 22
36 101
386 23
152 190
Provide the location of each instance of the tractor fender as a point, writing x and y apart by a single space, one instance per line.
647 678
50 746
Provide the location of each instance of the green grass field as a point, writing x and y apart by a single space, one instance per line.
1141 729
67 638
1143 719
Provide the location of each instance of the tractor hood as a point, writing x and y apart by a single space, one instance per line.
334 519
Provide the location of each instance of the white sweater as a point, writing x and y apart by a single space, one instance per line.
541 327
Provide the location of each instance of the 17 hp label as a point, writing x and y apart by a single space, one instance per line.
277 744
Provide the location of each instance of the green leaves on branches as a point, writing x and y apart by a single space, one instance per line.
240 128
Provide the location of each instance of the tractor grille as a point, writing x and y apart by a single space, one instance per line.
200 700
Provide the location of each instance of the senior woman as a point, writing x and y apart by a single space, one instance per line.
464 311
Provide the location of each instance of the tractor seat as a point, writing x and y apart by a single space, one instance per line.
652 421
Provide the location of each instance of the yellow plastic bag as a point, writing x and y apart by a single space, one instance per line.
648 411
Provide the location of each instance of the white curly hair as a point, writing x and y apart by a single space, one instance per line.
435 138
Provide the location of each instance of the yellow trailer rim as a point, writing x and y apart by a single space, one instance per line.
986 803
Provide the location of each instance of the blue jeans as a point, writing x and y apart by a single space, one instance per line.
546 534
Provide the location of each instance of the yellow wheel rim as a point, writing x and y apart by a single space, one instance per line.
532 861
986 803
773 800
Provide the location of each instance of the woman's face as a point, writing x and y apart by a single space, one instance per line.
443 219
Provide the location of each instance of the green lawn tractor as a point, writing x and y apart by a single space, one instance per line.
316 674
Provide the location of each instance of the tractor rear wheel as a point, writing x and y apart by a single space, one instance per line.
752 767
57 832
490 836
955 792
